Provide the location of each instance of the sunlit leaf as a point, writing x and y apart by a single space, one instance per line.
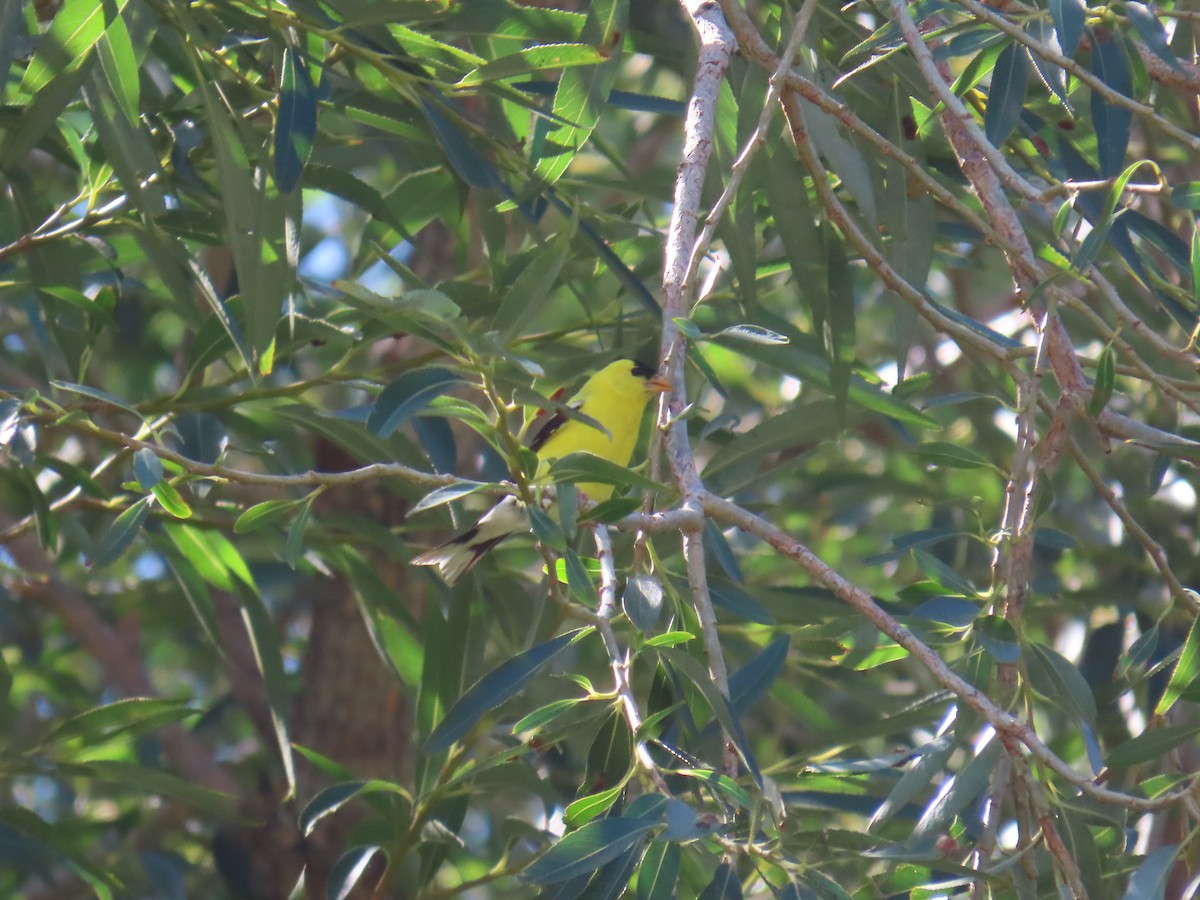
1186 670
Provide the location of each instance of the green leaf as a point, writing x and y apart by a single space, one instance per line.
493 689
120 67
171 500
718 547
529 60
962 791
295 536
1059 682
450 493
1186 195
583 810
1051 75
670 639
1149 745
582 91
296 123
76 28
1069 18
954 456
262 514
147 468
13 34
30 841
406 396
1112 123
578 580
998 638
722 784
718 703
102 723
954 611
586 467
642 601
539 718
1152 33
44 518
1102 389
256 219
349 869
334 797
43 113
1082 846
211 554
658 872
145 780
943 575
1195 261
723 886
910 221
121 533
547 532
930 763
467 162
611 510
688 328
531 289
754 334
1150 880
1006 97
729 596
1185 672
96 394
587 849
610 756
750 683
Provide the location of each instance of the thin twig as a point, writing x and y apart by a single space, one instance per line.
618 661
1094 84
1004 722
716 48
742 164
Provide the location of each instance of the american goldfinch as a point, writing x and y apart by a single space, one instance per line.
615 398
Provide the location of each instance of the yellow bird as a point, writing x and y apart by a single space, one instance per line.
616 398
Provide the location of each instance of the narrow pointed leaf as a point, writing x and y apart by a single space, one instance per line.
296 124
1069 17
1059 682
406 396
493 689
587 849
1152 32
1006 98
1187 669
121 533
1112 123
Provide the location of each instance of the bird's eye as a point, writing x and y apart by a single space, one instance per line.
641 370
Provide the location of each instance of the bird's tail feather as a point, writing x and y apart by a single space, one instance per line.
460 554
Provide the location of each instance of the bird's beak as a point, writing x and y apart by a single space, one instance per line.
657 385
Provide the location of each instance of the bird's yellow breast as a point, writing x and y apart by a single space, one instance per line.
616 403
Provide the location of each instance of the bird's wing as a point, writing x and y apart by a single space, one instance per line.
547 429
